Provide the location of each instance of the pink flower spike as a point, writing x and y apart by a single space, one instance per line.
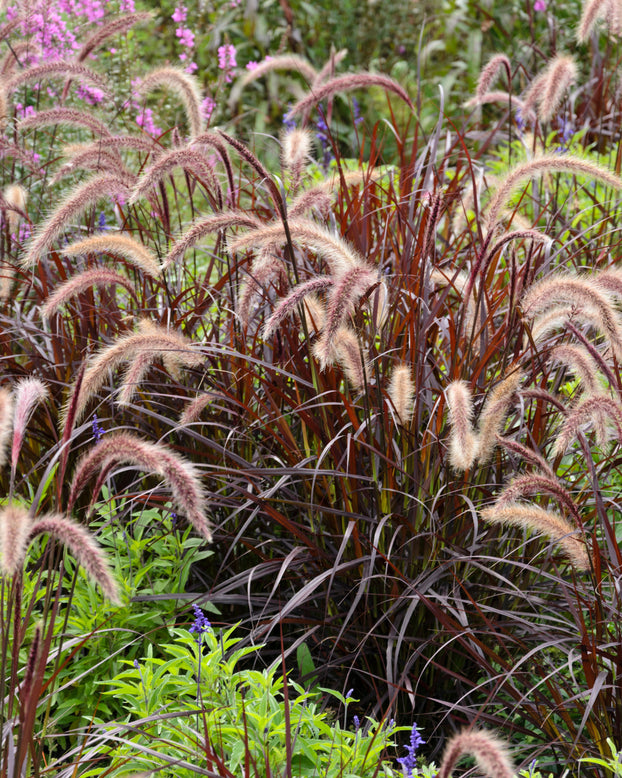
29 392
539 5
180 14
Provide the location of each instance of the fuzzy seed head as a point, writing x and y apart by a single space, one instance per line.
490 752
463 443
402 393
14 530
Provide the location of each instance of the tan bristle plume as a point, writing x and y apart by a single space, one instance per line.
402 392
463 443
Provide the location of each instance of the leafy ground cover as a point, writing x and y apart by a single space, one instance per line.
310 402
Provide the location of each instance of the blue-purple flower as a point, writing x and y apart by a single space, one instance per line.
409 762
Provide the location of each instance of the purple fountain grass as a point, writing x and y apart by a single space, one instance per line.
14 199
26 158
206 226
150 339
489 72
70 117
194 408
92 159
346 291
116 245
15 56
97 276
547 89
289 304
15 524
347 83
582 292
315 199
459 282
28 393
72 70
185 86
581 363
555 318
75 204
527 455
280 62
179 474
401 391
532 484
191 160
266 268
610 280
6 422
597 409
593 10
494 413
463 443
534 235
116 26
340 256
132 377
214 140
548 523
348 353
328 68
314 312
499 97
295 152
547 163
489 751
82 546
593 352
246 154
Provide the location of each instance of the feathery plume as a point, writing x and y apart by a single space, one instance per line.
547 89
289 304
463 444
328 68
149 339
581 363
527 454
124 448
28 392
8 149
203 227
347 83
214 140
116 26
579 291
70 117
295 150
116 245
134 374
267 267
548 163
93 159
282 62
543 522
314 312
311 199
54 69
6 422
15 55
275 192
82 546
339 255
593 10
597 409
15 198
401 391
97 276
185 86
489 72
190 160
194 408
75 204
348 353
610 280
489 751
494 413
500 97
346 291
535 235
14 530
533 484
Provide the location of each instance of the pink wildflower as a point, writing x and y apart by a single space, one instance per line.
539 5
180 14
